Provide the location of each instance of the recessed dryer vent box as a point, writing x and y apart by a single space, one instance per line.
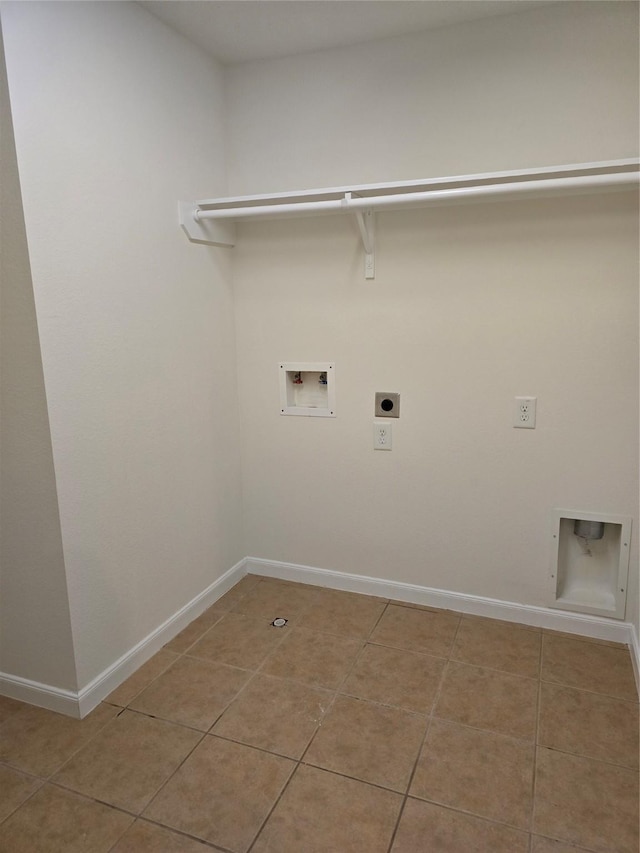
308 388
589 575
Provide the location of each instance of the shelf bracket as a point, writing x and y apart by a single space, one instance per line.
365 220
212 221
211 232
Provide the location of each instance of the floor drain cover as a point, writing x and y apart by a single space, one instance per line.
279 623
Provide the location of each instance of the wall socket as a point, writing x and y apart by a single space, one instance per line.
524 413
381 436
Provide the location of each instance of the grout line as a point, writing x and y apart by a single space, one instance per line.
184 652
535 746
564 686
536 741
361 781
205 734
494 669
530 741
182 833
25 801
166 781
121 836
133 674
273 807
252 746
583 757
569 844
318 727
476 816
350 669
91 799
592 692
86 743
430 719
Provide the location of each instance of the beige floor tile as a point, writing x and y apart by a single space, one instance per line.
487 774
222 793
416 630
519 626
15 788
39 741
428 607
322 660
53 821
275 714
427 827
498 645
238 640
142 678
323 813
370 742
395 677
582 639
344 613
128 761
144 837
586 802
547 845
487 699
191 692
195 630
589 724
245 585
272 599
9 707
588 666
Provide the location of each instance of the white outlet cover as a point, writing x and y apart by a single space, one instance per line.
381 436
524 412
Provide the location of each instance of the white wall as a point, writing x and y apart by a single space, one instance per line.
116 119
470 306
549 86
33 589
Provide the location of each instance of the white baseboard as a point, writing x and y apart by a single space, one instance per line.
42 695
79 703
634 647
597 627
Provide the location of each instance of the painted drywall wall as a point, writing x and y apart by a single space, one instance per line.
470 307
116 119
548 86
33 589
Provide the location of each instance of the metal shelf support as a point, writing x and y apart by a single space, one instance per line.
212 221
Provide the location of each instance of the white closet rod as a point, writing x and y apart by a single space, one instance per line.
351 204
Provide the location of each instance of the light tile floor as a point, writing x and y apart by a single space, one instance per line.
363 725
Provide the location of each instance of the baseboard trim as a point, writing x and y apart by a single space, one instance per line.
105 683
42 695
80 703
597 627
634 647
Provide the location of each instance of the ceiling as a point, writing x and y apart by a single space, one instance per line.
244 30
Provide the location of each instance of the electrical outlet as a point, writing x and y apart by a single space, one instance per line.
381 436
524 413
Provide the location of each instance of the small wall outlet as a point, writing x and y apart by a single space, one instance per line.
381 436
524 413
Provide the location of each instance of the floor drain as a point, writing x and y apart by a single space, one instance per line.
279 623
